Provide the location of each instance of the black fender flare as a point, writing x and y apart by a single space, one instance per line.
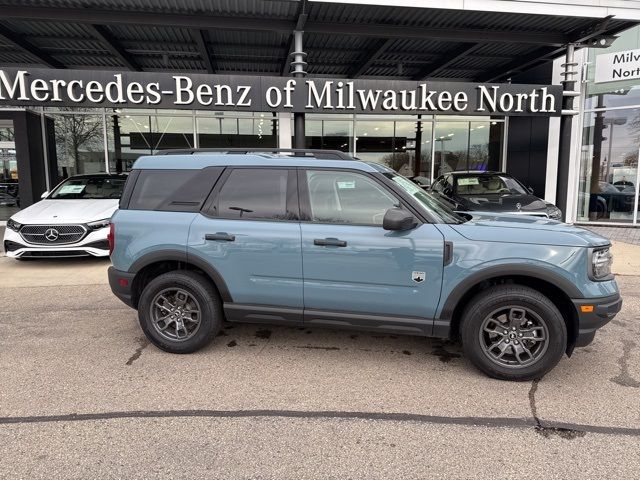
449 305
182 256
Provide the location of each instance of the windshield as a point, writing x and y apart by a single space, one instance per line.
101 187
487 184
438 209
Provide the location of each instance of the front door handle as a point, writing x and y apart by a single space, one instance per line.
329 242
220 236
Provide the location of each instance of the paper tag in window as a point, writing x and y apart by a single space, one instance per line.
468 181
71 189
345 185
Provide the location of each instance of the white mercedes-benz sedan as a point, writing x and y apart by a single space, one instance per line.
72 220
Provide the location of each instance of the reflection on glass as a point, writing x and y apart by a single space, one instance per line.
608 186
329 134
79 144
254 132
451 147
396 145
9 193
468 146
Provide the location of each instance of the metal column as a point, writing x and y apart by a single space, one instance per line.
564 155
298 65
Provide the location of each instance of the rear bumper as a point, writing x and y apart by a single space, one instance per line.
604 309
121 283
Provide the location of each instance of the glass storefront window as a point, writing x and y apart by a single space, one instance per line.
619 93
259 130
468 146
451 147
395 144
608 183
329 134
79 146
9 193
375 143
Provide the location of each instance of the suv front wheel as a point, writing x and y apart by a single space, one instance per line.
513 332
180 312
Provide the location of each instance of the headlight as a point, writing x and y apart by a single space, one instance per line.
554 212
13 225
98 224
600 263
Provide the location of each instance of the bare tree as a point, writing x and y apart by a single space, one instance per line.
75 133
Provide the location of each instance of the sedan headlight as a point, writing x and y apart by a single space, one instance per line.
554 212
98 224
600 263
13 225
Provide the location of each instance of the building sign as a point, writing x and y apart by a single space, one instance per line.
613 67
81 88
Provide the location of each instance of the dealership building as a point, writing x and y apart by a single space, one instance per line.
548 91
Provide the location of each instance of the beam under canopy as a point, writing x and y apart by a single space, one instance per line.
24 45
448 59
110 42
369 57
200 37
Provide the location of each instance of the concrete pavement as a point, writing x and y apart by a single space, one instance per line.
83 395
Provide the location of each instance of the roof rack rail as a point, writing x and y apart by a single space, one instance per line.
301 152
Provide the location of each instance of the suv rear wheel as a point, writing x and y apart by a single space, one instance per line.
180 312
513 332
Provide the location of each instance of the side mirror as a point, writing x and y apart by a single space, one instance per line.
399 220
44 194
530 190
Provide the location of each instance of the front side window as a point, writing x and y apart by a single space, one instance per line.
347 198
441 212
86 187
255 194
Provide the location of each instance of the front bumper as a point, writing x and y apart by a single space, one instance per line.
603 311
94 244
121 283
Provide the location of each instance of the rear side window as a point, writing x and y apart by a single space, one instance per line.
255 194
173 190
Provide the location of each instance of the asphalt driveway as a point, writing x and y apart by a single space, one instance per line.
83 395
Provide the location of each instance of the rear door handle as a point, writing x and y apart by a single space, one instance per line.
329 242
220 236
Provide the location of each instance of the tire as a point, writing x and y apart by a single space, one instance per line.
157 301
513 319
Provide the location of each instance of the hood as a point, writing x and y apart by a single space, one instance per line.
486 227
502 203
56 212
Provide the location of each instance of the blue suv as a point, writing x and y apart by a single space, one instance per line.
321 239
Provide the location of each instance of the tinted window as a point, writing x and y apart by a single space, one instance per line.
98 187
255 193
173 190
345 197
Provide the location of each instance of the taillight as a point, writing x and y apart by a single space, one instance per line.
111 237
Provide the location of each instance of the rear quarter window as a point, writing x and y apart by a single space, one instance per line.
173 190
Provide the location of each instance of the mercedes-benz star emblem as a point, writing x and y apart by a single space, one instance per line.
518 206
51 234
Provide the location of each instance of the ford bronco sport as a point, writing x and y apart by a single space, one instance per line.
321 239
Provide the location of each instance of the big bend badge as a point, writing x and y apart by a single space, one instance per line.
418 277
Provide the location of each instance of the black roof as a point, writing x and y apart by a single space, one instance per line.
256 37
